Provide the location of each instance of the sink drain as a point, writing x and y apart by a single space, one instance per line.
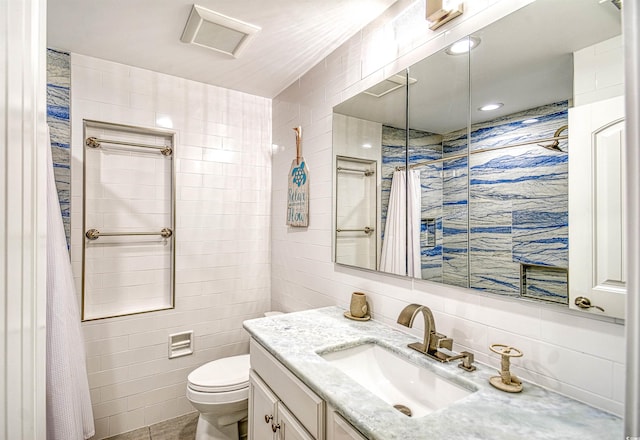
403 409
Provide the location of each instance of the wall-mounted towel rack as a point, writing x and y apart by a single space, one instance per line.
94 234
356 170
128 192
94 142
366 230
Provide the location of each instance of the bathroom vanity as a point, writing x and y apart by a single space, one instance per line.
305 385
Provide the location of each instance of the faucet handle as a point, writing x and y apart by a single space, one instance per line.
467 361
443 342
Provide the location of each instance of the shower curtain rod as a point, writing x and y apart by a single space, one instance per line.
484 150
93 142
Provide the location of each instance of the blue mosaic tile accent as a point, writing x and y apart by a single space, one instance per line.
58 119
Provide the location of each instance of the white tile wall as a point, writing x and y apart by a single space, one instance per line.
223 177
599 71
580 357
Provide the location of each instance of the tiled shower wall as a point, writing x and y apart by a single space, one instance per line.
223 175
58 100
564 351
518 208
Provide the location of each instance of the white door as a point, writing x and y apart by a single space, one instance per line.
262 409
597 279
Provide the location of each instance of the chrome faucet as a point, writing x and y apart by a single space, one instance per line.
435 345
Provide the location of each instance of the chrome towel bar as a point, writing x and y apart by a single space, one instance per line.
94 234
356 170
366 230
93 142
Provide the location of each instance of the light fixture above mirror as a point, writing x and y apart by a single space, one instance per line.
440 12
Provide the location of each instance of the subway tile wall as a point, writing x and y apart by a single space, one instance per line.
579 357
223 178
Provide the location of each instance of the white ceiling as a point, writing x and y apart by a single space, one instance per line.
295 35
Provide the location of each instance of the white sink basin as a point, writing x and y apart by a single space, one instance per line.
396 380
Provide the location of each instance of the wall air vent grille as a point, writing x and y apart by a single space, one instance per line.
218 32
389 85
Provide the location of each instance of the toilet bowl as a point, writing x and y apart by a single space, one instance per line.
219 390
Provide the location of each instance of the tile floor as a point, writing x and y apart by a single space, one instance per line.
180 428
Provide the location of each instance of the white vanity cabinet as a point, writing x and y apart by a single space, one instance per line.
281 407
269 417
262 409
339 429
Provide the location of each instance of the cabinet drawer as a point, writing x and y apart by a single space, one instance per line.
308 407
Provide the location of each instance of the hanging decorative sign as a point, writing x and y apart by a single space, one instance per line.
298 188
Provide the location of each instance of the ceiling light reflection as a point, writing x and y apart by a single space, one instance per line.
492 106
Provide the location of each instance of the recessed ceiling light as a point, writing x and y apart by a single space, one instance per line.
489 107
463 46
215 31
530 121
366 146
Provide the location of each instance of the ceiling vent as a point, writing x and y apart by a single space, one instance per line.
215 31
389 85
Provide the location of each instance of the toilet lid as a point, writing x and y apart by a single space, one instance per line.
226 374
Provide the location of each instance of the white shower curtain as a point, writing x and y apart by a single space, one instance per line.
401 246
69 413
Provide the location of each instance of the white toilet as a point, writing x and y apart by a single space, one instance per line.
219 390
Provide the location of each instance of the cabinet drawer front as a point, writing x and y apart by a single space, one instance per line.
308 407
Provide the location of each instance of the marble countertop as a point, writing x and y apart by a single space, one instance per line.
295 339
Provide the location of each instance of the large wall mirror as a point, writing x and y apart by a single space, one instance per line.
456 170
